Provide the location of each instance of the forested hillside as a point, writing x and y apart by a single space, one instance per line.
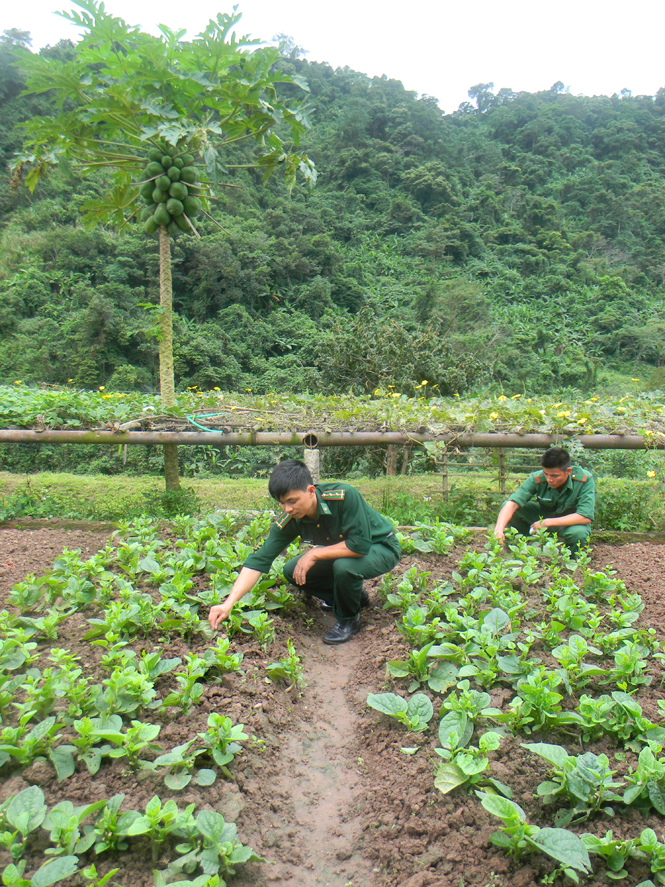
518 242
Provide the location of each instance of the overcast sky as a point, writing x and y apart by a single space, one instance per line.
440 47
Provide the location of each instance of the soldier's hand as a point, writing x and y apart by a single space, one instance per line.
302 567
219 613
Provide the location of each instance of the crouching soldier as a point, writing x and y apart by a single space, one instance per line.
351 542
559 498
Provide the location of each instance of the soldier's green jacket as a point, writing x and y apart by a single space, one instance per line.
576 496
342 516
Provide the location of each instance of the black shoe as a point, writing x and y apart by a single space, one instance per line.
343 630
364 603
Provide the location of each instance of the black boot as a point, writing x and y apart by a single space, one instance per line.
343 630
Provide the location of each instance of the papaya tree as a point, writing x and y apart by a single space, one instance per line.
161 120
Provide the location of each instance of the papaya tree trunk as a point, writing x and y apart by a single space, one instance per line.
166 381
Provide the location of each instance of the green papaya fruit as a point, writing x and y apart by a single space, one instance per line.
175 207
178 162
154 169
150 226
178 190
187 159
162 216
155 154
192 206
172 228
174 174
189 175
166 161
163 182
148 212
159 196
183 224
146 190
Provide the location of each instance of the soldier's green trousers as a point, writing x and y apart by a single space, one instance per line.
340 582
530 513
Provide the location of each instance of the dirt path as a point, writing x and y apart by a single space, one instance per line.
320 785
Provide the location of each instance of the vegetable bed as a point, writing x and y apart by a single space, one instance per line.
267 747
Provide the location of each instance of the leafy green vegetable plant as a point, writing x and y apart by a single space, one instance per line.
415 714
222 739
518 837
287 669
585 781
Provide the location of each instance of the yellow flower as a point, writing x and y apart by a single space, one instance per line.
555 405
70 380
634 380
494 415
649 433
594 399
249 390
17 381
424 382
377 391
563 414
582 420
102 387
395 394
502 398
455 395
651 473
620 410
216 388
515 396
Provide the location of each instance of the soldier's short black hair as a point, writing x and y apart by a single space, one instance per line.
556 457
289 475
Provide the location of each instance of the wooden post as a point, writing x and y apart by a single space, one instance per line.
444 475
405 459
312 459
502 471
391 466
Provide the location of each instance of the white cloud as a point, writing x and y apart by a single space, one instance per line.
440 48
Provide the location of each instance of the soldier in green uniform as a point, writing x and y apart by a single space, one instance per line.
560 498
350 540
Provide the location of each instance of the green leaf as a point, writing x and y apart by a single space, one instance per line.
214 827
443 677
398 669
656 796
553 754
449 777
455 722
63 761
205 777
420 706
496 620
52 872
177 781
387 703
149 565
29 806
501 807
564 846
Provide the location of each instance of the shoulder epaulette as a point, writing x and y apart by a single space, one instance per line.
282 521
333 495
538 479
581 478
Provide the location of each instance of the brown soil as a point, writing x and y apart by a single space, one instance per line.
323 790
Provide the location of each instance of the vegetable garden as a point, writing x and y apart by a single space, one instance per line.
498 720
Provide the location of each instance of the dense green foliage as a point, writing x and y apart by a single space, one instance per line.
517 241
